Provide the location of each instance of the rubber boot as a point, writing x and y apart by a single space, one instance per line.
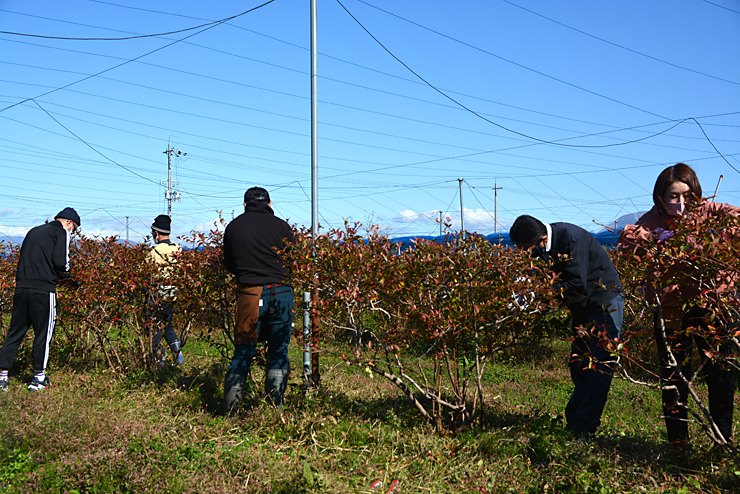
276 380
176 347
234 385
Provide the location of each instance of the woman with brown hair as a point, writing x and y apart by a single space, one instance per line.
676 187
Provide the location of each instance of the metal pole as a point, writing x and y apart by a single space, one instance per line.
462 211
714 197
440 222
169 194
308 357
496 188
314 128
169 179
126 229
307 334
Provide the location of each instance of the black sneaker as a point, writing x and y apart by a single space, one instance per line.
3 384
37 385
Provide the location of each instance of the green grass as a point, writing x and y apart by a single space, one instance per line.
95 431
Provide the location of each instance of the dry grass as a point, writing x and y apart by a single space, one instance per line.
163 432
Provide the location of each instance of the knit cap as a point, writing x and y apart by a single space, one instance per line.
69 214
162 224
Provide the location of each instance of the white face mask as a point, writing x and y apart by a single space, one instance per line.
676 208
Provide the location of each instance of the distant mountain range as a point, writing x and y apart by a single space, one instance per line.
17 239
11 239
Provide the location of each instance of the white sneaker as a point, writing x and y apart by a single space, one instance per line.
37 385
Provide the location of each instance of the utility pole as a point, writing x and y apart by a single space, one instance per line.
440 222
126 229
170 194
462 211
496 188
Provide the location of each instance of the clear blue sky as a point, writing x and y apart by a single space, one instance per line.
236 99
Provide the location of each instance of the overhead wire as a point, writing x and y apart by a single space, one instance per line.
721 6
482 51
617 44
111 39
498 151
555 215
91 147
336 58
133 59
715 147
561 196
333 103
115 99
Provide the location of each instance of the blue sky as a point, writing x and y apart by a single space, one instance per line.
474 90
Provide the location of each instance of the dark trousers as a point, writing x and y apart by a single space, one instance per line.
592 367
159 322
274 326
35 308
718 377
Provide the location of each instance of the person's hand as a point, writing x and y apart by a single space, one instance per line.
521 300
66 279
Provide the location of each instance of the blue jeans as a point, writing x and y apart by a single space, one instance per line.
586 404
274 326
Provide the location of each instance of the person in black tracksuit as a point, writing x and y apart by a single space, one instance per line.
44 259
264 300
592 291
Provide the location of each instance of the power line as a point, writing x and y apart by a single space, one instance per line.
715 147
618 45
111 39
88 145
329 102
543 141
133 59
721 6
482 51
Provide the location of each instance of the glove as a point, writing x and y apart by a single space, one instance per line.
68 280
521 300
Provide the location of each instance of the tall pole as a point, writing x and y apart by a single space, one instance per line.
311 360
462 211
169 194
496 188
440 222
126 229
169 179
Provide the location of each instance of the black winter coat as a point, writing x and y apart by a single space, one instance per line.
44 257
251 242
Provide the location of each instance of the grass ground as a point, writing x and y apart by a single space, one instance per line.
96 432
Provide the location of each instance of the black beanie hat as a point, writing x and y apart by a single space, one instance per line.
162 224
69 214
257 194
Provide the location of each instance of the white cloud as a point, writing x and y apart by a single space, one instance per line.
476 220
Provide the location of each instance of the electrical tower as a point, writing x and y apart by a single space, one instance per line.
169 194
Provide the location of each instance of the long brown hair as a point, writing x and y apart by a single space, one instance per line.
680 172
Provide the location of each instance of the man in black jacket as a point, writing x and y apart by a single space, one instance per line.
591 289
43 260
264 301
